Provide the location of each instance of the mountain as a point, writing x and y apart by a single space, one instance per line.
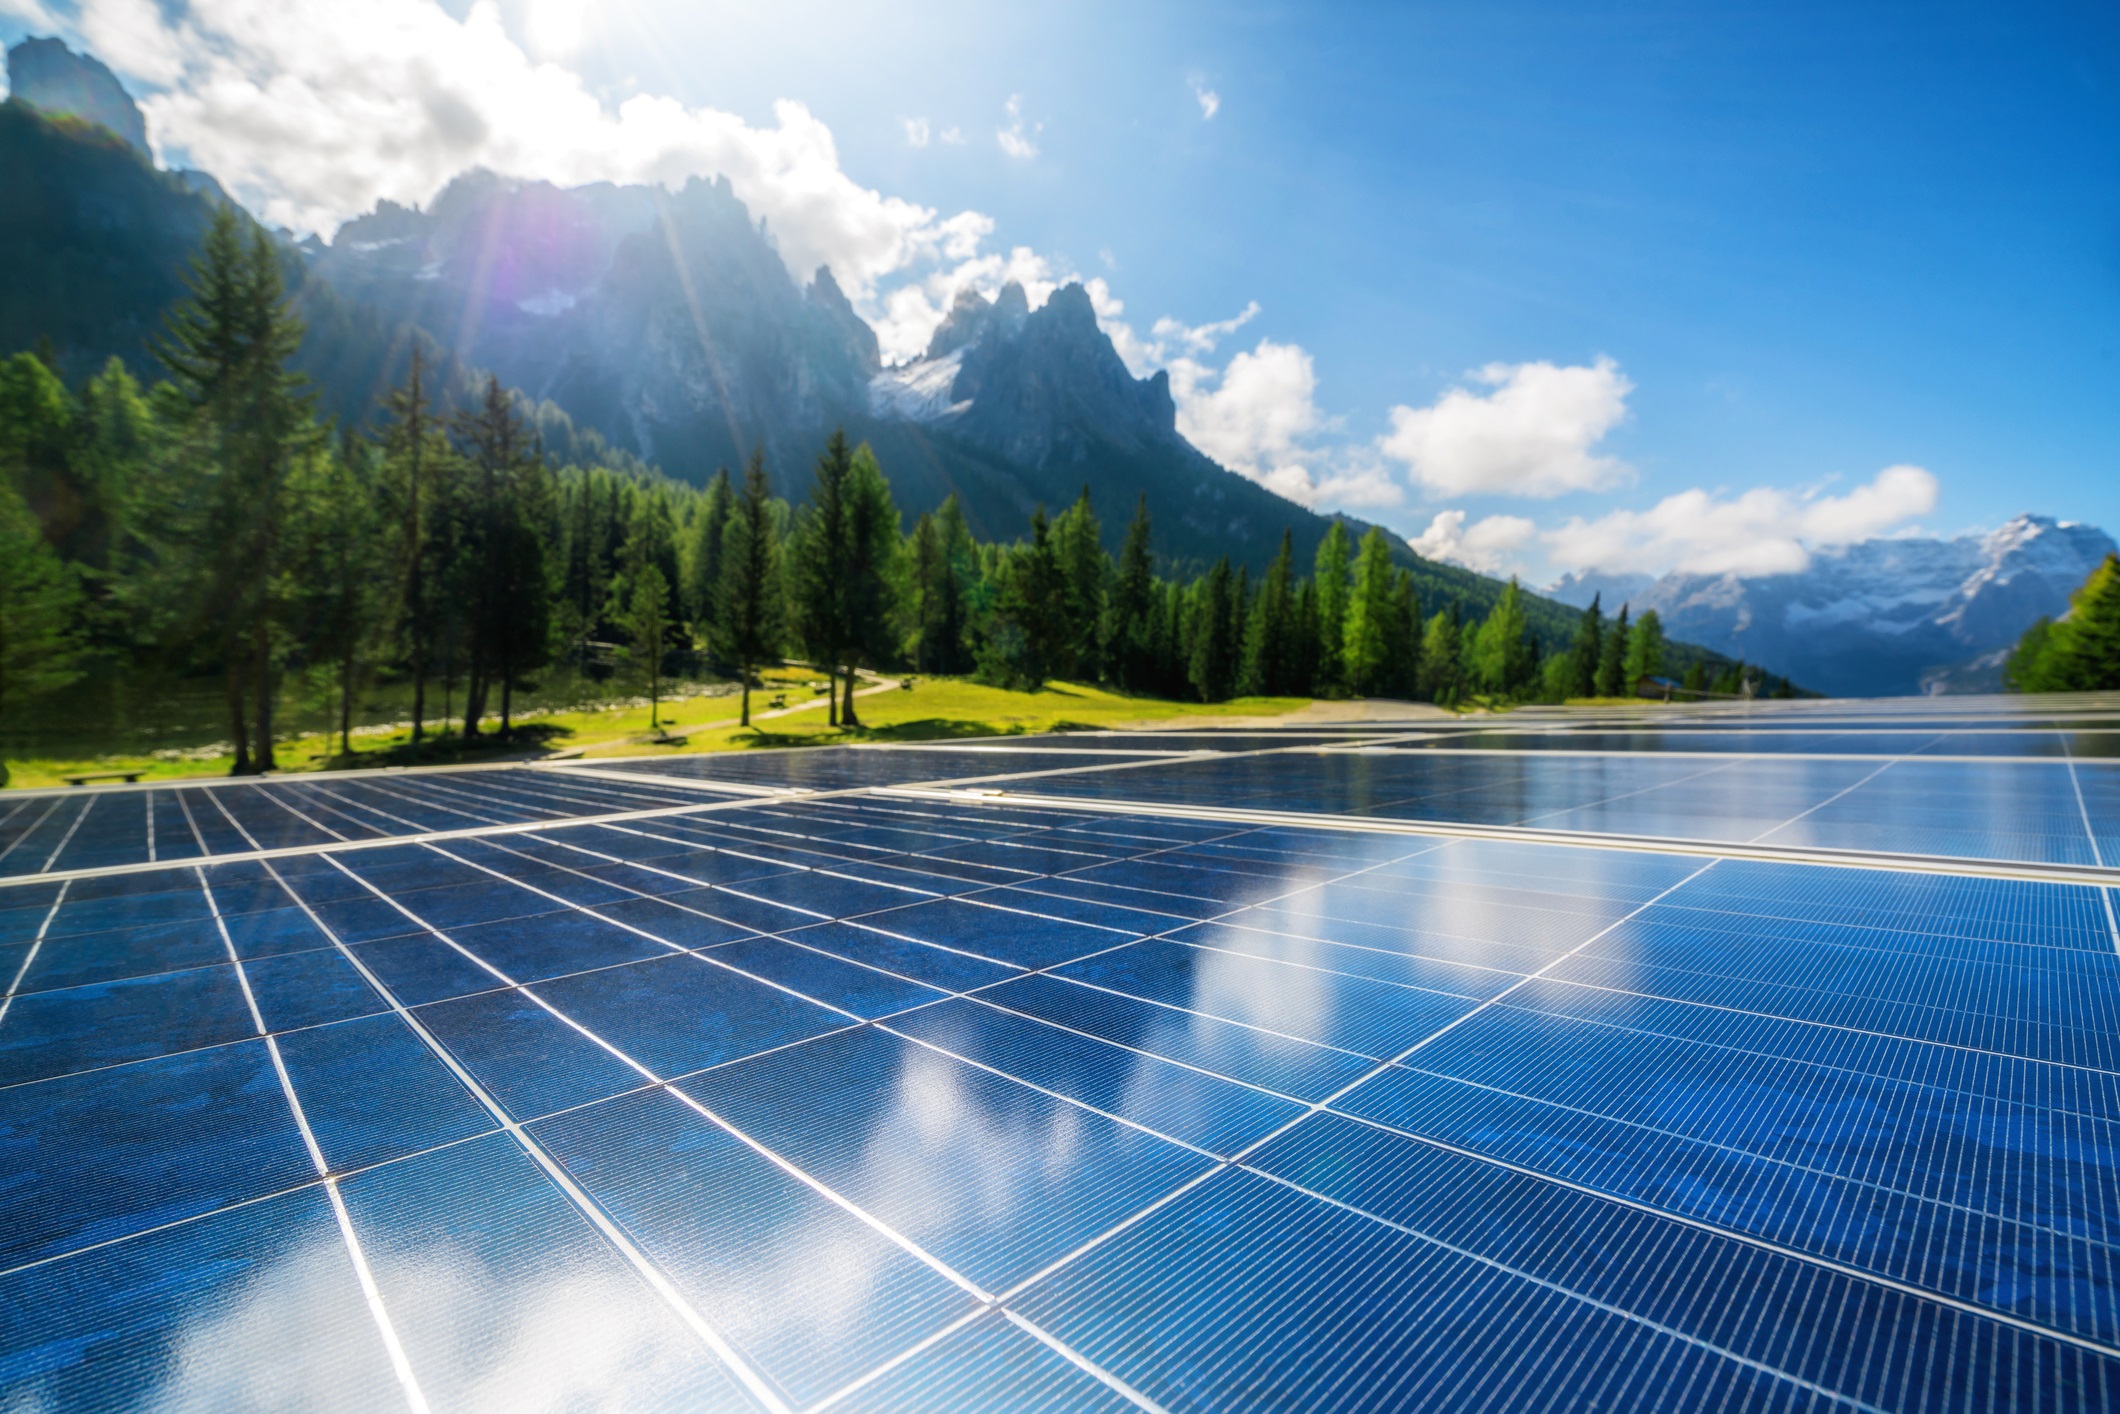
54 80
1885 617
667 322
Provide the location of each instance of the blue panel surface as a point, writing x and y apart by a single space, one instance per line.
90 1158
1416 1090
528 1059
373 1091
108 1023
684 1013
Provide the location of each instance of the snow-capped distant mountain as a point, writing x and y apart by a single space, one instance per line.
1883 618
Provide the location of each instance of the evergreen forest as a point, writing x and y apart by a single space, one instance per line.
212 526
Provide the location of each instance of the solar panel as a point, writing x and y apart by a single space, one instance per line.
1683 1068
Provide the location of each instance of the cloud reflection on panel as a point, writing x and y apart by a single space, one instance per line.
991 1178
255 1308
506 1298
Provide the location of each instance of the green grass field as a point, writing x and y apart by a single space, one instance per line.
930 709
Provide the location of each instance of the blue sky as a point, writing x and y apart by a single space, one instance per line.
1654 285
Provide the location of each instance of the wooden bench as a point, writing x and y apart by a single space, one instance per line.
83 779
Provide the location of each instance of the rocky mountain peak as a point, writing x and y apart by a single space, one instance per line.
47 75
837 313
1011 308
973 317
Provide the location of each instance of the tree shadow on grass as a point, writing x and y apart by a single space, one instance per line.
447 749
938 729
925 729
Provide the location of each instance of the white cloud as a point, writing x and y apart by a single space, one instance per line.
1013 139
1259 417
32 14
1254 415
1534 434
1489 545
555 26
1199 338
1763 531
311 113
1210 101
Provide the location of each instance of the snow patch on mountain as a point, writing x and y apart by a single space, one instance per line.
919 391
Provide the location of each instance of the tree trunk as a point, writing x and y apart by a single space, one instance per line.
847 717
507 700
238 715
346 703
474 699
419 698
831 696
743 674
261 749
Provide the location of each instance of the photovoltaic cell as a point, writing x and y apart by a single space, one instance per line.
601 1087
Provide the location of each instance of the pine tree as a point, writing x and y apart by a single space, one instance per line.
1402 644
1084 567
1331 580
505 570
1588 650
1441 643
1366 643
228 348
1268 669
121 453
36 435
1211 663
702 562
1503 659
646 618
40 648
652 539
1612 659
747 598
340 594
418 465
1135 609
868 575
928 590
1303 642
1696 679
1645 649
821 549
944 562
1030 618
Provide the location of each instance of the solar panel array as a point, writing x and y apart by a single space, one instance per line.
1644 1060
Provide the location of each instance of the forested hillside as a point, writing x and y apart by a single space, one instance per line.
210 523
